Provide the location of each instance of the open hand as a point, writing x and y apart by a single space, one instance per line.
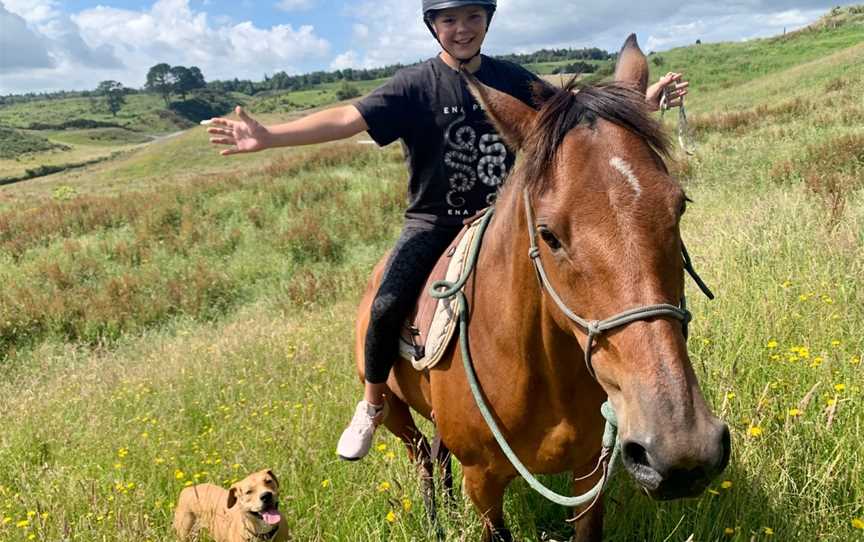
672 86
244 135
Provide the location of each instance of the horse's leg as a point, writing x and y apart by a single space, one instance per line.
401 424
487 493
589 527
445 467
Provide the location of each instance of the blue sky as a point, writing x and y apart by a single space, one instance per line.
75 44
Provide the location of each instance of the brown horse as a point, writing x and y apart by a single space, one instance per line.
607 213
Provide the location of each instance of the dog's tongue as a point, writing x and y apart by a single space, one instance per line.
272 517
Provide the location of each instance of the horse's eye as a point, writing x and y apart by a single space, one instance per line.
549 238
684 205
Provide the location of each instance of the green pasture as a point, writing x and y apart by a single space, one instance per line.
171 317
141 113
297 100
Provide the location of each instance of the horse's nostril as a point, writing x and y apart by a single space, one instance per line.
635 454
638 463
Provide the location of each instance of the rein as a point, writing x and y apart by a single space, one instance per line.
611 447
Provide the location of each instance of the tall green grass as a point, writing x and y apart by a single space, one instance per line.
203 329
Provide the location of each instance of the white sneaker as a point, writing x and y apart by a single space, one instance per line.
356 440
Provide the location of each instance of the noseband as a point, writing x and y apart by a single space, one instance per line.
595 328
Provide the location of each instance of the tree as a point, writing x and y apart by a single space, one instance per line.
114 93
347 91
187 80
161 80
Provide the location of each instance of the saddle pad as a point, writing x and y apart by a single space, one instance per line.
430 329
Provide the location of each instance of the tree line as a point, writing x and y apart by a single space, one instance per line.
165 80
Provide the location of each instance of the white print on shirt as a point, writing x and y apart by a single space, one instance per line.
458 109
461 156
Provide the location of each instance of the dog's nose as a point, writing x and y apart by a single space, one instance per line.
267 497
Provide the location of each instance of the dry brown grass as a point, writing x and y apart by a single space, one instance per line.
832 171
738 122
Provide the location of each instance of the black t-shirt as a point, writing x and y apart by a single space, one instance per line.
456 159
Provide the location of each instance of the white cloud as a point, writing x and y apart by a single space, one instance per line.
524 25
90 43
348 59
361 32
295 5
79 50
20 47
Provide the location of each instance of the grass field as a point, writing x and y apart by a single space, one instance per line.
171 317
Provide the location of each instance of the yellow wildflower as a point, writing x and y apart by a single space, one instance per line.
729 531
755 431
383 486
726 484
858 523
794 412
406 504
730 395
381 447
840 387
325 483
771 344
768 531
391 516
23 523
179 474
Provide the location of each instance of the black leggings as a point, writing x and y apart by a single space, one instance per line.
410 263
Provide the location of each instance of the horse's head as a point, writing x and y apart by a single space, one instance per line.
607 215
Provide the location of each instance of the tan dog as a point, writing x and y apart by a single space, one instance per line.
248 511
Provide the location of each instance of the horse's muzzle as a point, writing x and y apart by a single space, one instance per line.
665 474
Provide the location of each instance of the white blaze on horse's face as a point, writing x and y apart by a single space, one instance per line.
624 168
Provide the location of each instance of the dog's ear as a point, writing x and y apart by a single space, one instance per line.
232 497
271 475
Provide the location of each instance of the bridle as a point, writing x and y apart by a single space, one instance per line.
595 328
611 446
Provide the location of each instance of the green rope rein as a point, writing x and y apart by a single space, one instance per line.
611 447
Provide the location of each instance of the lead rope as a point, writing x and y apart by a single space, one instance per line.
610 446
685 135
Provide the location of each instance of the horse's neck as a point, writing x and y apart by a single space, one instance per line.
509 304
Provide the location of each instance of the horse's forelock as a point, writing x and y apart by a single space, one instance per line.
572 106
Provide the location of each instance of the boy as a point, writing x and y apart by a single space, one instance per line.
456 161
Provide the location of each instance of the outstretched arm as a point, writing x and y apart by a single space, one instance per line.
248 135
675 88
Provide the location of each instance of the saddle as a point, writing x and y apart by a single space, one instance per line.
430 327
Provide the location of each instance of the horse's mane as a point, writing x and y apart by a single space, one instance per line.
565 108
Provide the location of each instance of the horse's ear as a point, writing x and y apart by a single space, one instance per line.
512 118
632 66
